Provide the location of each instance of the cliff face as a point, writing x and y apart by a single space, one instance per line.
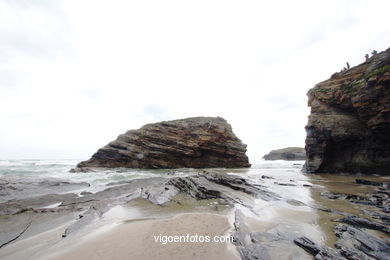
288 154
349 125
200 142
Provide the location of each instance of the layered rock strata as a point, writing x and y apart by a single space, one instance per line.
200 142
349 125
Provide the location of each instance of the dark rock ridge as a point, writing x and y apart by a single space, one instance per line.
253 245
355 239
349 125
229 188
288 154
199 142
352 243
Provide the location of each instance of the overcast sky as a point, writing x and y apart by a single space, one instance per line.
76 74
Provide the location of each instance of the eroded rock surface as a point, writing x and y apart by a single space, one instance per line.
349 124
288 154
230 188
32 212
18 188
200 142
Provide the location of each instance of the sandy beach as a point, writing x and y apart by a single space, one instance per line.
134 240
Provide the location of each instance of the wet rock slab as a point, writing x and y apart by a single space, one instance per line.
34 215
262 245
354 243
365 223
45 212
18 188
230 188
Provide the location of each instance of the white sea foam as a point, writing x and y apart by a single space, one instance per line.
41 169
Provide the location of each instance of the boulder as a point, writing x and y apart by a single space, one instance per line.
349 124
199 142
288 154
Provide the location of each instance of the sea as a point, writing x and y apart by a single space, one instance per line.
60 170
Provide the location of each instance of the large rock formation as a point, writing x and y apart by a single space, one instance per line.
288 154
349 125
200 142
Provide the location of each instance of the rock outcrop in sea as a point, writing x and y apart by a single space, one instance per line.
288 154
199 142
349 125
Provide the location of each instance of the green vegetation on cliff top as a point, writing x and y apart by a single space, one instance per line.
353 87
377 72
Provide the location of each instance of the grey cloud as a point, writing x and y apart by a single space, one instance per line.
48 40
157 112
49 121
10 78
288 107
313 38
345 23
20 116
92 93
268 60
31 43
276 131
277 99
283 103
24 37
331 25
34 4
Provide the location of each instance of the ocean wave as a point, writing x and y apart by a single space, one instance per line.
98 179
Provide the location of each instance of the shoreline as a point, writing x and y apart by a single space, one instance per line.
266 209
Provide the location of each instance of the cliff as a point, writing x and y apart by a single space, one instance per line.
288 154
200 142
349 125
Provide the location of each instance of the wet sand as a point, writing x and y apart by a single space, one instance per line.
135 240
